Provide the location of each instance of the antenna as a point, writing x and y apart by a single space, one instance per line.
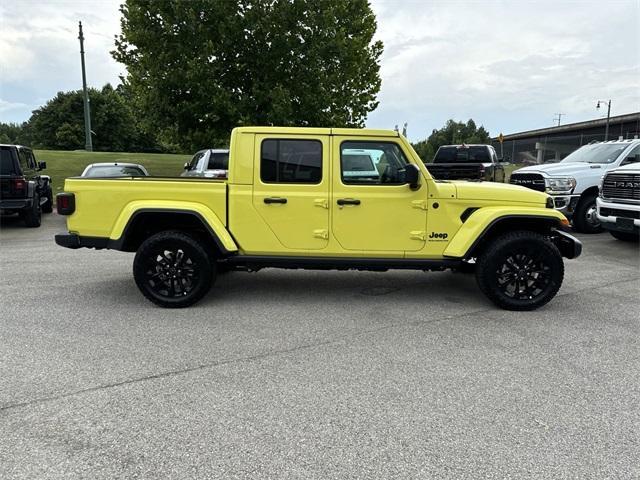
558 117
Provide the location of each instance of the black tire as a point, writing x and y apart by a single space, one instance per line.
526 261
32 215
584 216
625 236
47 207
173 270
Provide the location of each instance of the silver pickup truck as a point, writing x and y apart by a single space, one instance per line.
209 163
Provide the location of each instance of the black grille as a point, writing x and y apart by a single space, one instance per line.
620 185
451 172
535 181
616 212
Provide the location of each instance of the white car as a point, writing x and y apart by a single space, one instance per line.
210 163
619 202
573 182
115 169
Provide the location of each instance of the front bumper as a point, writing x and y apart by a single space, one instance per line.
73 240
569 246
565 204
620 217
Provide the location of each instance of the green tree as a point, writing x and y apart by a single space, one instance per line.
453 133
59 124
14 133
198 68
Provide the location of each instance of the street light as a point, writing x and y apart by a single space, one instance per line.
606 130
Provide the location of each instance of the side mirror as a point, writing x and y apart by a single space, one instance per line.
412 176
186 166
629 160
42 165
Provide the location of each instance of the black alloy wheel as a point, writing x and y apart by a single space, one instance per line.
521 270
172 269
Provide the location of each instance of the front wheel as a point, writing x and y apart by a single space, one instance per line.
585 219
173 270
520 271
47 207
625 236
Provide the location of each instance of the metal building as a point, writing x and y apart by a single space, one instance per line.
555 143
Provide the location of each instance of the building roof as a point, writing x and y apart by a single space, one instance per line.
570 127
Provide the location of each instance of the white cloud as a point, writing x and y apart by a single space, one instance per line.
509 65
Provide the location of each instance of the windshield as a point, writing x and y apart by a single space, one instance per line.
597 153
462 154
115 171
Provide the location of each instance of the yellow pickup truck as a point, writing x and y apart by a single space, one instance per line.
321 198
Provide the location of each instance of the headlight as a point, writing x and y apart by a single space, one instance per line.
560 184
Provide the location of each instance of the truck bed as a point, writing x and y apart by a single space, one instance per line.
102 202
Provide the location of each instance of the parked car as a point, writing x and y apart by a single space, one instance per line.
619 202
23 189
573 182
467 162
290 205
115 169
210 163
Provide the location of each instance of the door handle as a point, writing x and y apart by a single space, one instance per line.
348 201
275 200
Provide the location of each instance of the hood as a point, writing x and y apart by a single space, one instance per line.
564 169
503 192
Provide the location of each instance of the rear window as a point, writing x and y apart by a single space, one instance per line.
115 171
218 161
7 167
462 154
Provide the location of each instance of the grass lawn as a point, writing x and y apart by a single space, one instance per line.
62 164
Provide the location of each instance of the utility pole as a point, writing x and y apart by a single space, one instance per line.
559 115
606 129
87 112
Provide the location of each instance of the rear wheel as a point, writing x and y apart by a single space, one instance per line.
585 219
173 270
32 215
520 271
625 236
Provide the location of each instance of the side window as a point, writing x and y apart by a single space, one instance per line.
291 161
218 161
193 164
632 157
372 163
23 158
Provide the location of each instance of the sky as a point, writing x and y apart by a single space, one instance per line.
509 65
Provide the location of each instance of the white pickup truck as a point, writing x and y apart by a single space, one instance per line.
573 182
619 202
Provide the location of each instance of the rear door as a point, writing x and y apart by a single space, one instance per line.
291 188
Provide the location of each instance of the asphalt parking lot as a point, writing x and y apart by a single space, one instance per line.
293 374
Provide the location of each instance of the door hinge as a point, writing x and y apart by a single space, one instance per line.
418 235
421 204
321 233
321 202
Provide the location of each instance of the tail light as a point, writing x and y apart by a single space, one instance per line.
19 186
65 203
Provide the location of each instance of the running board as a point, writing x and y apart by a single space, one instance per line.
256 262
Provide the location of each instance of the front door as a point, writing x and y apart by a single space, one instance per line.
374 210
291 189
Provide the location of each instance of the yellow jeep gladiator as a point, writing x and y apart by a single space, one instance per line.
321 198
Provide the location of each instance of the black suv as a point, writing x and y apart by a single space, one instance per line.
22 189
